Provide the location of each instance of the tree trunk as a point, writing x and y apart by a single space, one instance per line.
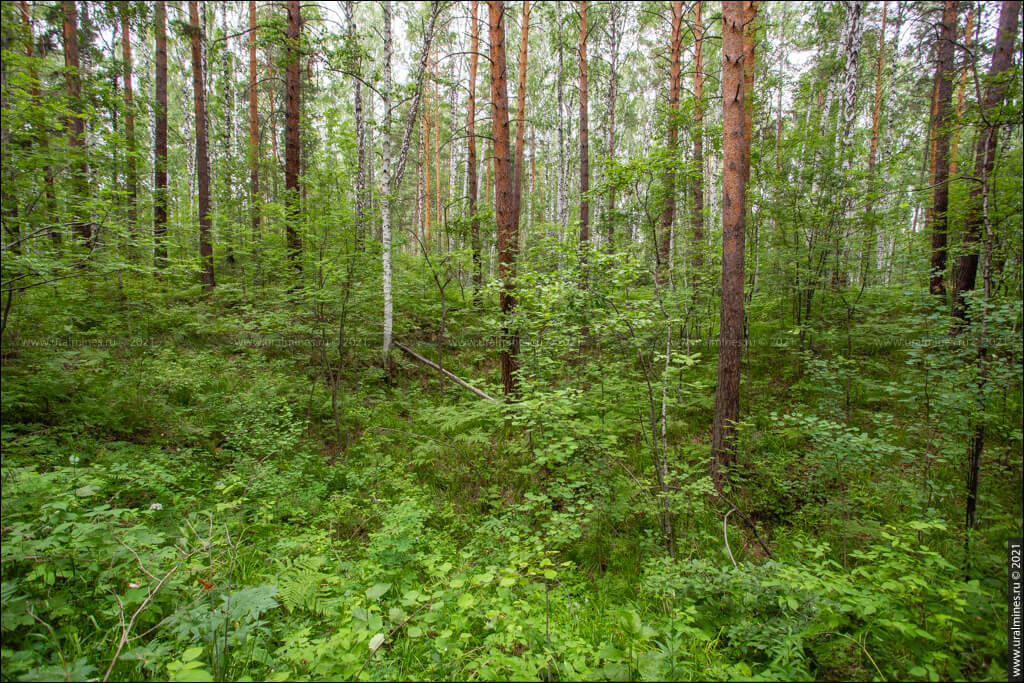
961 92
254 131
940 199
425 173
614 38
584 149
517 167
734 154
471 170
361 198
385 203
504 194
291 135
49 189
562 196
749 60
131 174
871 248
202 150
76 125
668 213
985 154
160 140
697 217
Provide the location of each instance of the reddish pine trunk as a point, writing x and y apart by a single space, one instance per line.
944 97
668 214
160 140
76 122
291 135
254 130
734 154
504 209
985 154
474 45
131 176
697 216
517 168
584 147
202 149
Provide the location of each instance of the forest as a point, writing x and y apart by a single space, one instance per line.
461 340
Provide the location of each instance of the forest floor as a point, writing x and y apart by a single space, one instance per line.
184 498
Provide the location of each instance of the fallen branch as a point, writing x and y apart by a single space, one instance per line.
447 374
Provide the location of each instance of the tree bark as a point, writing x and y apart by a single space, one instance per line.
361 198
504 194
584 149
76 125
668 213
614 38
471 170
734 154
385 203
985 154
160 140
697 216
292 142
749 60
517 167
940 199
202 149
49 189
961 92
131 174
254 131
871 248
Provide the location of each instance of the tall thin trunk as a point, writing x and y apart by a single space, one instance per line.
254 130
940 198
76 124
871 248
668 213
961 92
471 171
385 204
614 40
437 147
562 203
391 179
202 150
291 135
985 154
425 171
504 194
854 33
49 189
749 60
734 152
160 140
517 167
584 148
361 198
697 217
131 173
